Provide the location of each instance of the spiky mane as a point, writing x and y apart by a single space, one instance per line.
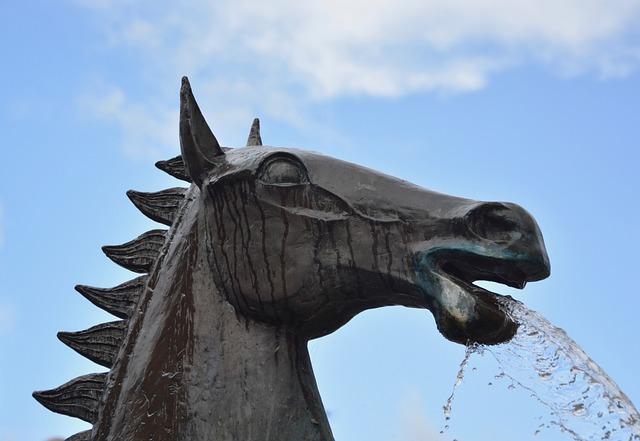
101 344
80 397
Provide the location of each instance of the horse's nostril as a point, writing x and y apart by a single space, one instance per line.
494 221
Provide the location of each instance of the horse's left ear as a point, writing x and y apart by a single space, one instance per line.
200 148
254 135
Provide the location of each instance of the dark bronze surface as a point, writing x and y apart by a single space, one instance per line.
269 248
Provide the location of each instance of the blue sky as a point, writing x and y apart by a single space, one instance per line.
533 102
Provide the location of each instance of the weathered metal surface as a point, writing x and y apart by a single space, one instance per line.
99 344
254 135
270 248
77 398
175 167
139 254
161 206
120 300
82 436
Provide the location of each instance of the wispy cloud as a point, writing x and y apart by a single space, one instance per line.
273 58
384 47
415 424
148 130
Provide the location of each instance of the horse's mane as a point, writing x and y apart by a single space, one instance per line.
81 396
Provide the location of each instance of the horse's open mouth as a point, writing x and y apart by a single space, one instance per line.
492 271
464 311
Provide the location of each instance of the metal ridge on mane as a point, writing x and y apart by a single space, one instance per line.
80 397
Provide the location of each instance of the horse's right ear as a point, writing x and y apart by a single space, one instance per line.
200 148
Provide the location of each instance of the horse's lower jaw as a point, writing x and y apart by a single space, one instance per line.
466 313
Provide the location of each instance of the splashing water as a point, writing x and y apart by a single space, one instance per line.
541 358
459 378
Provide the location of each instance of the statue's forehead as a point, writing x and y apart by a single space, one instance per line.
250 158
322 169
365 189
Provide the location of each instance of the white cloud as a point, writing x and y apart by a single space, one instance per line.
384 47
275 57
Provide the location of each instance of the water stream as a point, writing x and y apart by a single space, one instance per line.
586 404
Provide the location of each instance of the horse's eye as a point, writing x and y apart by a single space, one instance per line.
283 171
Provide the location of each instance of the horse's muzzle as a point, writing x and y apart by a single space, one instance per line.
499 242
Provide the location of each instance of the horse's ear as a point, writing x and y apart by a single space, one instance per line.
254 134
200 148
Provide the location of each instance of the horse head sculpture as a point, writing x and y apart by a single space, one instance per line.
271 247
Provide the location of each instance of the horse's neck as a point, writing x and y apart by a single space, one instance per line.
192 368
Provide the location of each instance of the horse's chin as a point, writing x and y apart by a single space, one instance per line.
470 314
466 313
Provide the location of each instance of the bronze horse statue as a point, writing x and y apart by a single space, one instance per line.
268 248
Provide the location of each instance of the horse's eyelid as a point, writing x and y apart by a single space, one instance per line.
301 178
